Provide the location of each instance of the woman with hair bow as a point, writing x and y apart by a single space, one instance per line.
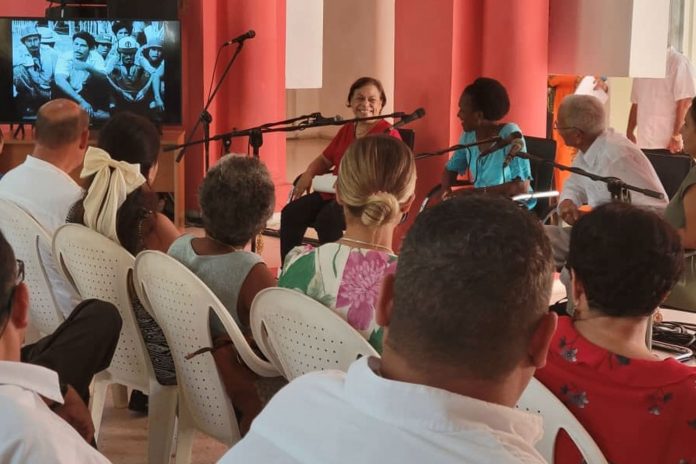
120 205
119 202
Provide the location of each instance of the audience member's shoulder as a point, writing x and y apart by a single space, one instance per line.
32 433
308 393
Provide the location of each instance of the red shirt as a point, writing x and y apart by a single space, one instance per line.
637 411
338 146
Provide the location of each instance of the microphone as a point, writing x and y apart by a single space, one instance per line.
250 34
516 146
419 113
318 118
501 143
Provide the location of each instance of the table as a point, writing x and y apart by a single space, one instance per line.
674 315
170 174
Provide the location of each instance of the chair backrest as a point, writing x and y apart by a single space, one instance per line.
408 136
181 303
301 335
671 169
538 399
30 241
542 174
100 268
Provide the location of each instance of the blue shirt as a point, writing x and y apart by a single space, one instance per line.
488 171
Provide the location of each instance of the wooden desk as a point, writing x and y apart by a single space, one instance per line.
170 174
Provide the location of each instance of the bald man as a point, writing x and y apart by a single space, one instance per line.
42 185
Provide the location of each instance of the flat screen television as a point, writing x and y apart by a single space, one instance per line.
106 66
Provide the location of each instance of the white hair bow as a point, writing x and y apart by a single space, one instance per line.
113 181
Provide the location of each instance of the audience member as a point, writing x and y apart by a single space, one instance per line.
660 104
42 185
582 124
481 107
366 98
119 202
43 417
121 205
624 260
375 188
459 349
237 197
681 214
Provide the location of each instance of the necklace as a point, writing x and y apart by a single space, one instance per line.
370 244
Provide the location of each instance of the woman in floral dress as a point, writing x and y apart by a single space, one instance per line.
375 187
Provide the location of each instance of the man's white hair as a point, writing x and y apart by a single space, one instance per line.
583 112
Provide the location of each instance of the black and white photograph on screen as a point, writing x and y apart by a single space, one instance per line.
105 66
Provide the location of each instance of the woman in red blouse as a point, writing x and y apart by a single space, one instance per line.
639 409
366 98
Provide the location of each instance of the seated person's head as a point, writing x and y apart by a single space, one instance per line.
366 97
14 302
483 100
62 131
237 197
624 261
580 118
119 203
134 139
469 301
376 180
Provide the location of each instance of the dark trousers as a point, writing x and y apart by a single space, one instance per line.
326 216
81 346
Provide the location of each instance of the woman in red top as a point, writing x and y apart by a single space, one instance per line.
639 409
366 98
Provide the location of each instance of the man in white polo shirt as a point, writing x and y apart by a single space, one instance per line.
466 325
42 421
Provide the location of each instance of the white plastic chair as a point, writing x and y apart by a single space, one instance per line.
538 399
27 237
100 268
300 335
181 303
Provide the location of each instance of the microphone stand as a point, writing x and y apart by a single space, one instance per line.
456 147
256 133
206 118
619 190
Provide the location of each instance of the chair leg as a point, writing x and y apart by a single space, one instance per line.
101 384
184 436
119 395
161 422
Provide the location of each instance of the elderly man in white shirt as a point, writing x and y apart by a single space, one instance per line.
582 124
42 421
660 104
466 325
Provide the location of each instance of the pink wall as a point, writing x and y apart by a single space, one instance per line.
254 90
23 8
